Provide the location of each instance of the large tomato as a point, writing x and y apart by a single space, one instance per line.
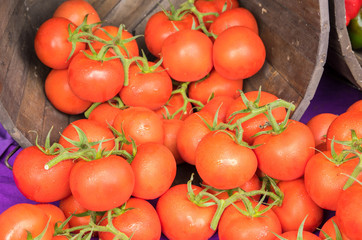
160 26
285 155
223 163
187 55
52 45
55 214
102 184
238 53
95 80
329 229
37 183
104 113
61 96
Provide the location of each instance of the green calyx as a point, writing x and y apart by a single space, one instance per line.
355 31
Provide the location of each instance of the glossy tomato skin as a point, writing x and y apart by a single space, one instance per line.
223 163
182 219
328 228
76 10
150 89
131 47
171 129
348 212
110 186
105 114
296 205
234 225
175 102
159 27
284 156
95 81
324 180
238 53
356 106
51 43
35 182
20 218
214 84
141 222
61 96
154 168
187 55
55 214
292 235
220 105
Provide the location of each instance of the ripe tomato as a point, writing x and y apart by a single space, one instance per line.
220 104
171 128
154 169
182 219
35 182
319 125
160 26
190 134
104 113
238 53
215 84
76 10
102 184
292 235
95 81
187 55
356 106
150 89
223 5
234 17
175 103
324 180
296 205
257 123
234 225
141 221
349 212
340 129
220 170
93 130
328 228
55 214
61 96
21 218
132 46
284 156
139 124
51 43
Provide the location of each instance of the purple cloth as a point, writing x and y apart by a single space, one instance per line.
333 95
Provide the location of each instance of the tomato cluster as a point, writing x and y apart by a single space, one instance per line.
264 175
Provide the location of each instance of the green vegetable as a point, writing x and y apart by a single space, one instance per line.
355 31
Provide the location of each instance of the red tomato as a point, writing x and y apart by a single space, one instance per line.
51 43
220 170
206 6
132 46
329 229
174 104
234 225
190 134
95 81
35 182
254 125
349 212
324 180
61 96
171 128
59 237
140 124
150 89
234 17
187 55
183 219
238 53
292 235
102 184
55 214
284 156
104 113
141 222
296 205
154 168
21 218
223 5
159 27
340 129
220 104
76 10
319 125
356 106
93 130
214 84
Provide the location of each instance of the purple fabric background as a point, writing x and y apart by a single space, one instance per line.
333 95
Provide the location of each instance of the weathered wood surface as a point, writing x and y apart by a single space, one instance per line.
295 34
341 57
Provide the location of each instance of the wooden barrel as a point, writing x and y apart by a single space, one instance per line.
341 57
295 34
